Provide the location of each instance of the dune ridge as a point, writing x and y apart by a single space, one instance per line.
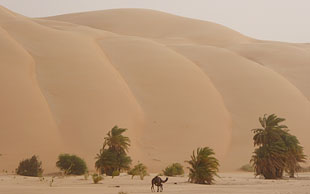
175 83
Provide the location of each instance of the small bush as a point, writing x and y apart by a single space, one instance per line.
174 170
51 182
30 167
97 178
247 168
115 173
71 164
86 175
138 170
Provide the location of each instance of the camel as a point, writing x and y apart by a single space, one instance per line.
157 181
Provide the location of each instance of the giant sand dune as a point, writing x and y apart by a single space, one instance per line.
176 84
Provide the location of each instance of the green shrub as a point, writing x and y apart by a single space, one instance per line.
30 167
138 170
174 170
71 164
115 173
97 178
247 168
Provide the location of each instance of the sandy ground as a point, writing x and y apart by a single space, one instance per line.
228 183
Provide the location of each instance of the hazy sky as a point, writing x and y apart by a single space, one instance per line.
284 20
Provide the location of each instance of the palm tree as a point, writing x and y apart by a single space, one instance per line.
113 159
269 161
106 161
204 166
116 141
277 151
295 154
270 131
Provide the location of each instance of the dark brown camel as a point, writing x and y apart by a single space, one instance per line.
157 181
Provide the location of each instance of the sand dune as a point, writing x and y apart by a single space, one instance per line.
175 83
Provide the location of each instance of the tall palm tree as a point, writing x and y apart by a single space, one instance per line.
295 154
277 151
113 158
269 161
269 132
116 141
204 166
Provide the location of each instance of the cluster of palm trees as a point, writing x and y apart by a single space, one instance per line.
112 159
277 150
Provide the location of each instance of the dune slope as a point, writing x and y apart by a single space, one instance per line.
27 125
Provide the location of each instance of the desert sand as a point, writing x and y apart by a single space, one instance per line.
234 183
176 84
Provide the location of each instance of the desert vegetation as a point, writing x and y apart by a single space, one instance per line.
113 158
86 175
203 166
30 167
138 170
71 164
247 168
277 150
97 178
174 169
